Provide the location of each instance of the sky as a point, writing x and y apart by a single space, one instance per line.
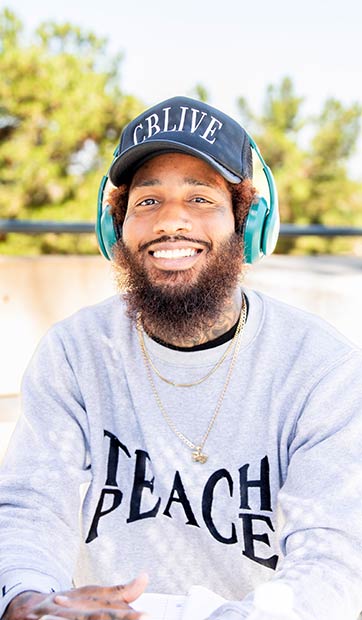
232 47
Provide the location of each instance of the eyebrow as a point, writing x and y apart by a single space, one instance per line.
147 183
192 181
187 180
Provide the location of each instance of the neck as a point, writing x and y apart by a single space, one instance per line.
222 323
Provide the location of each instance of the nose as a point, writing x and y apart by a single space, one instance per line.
172 218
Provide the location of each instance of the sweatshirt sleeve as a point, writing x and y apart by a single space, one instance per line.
322 499
40 478
321 502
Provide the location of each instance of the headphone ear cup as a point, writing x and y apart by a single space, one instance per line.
270 232
253 230
261 228
108 232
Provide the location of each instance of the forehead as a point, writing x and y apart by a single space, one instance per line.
180 168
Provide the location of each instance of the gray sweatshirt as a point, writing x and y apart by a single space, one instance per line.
96 486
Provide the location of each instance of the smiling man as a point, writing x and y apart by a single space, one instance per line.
188 427
180 249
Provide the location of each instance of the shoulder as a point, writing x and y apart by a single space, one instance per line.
288 319
99 322
98 314
297 338
83 347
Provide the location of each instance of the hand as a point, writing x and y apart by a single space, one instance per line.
86 603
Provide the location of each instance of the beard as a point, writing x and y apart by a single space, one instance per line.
176 305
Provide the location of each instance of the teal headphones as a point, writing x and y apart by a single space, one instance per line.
259 231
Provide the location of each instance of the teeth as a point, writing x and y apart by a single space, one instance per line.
179 253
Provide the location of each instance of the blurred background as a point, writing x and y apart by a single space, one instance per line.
72 74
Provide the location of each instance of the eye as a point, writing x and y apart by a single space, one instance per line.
147 202
199 199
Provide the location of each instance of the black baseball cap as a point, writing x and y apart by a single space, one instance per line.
188 126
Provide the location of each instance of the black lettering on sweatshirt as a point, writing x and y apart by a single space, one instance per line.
111 481
250 537
207 502
139 484
263 483
143 504
182 498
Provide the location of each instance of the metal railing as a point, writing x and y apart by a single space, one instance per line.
38 227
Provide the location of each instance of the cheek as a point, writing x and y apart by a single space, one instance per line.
223 226
132 232
231 222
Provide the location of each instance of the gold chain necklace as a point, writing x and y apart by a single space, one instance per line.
197 449
184 385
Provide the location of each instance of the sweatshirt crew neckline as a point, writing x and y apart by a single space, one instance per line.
215 342
208 357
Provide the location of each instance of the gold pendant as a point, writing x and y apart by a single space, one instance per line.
198 456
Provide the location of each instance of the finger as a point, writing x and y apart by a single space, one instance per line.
108 596
92 594
79 592
63 600
101 614
85 602
132 590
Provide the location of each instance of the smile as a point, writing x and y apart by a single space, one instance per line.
177 253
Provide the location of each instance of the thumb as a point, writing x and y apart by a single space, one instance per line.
133 589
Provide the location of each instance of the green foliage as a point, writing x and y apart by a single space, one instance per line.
61 114
313 182
10 29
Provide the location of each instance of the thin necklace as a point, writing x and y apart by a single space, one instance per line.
184 385
197 449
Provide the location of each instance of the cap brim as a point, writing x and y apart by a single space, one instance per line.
125 165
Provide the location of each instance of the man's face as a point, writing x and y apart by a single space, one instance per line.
179 253
179 211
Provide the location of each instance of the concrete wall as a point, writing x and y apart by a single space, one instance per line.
37 291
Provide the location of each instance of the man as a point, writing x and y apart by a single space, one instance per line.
189 428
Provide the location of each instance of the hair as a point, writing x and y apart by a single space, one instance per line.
242 195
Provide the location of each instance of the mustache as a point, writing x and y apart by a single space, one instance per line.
173 238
